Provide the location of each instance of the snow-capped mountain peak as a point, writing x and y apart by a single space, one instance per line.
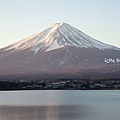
59 50
56 36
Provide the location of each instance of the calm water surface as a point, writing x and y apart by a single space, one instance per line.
60 105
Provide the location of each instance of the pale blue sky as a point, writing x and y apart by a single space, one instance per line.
99 19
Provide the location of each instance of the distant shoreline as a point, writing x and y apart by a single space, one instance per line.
60 85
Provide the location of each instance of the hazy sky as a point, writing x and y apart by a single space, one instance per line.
99 19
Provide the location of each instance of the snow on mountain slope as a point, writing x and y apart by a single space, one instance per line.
56 36
59 49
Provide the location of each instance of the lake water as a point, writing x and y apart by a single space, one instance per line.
60 105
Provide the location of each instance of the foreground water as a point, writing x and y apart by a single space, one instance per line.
60 105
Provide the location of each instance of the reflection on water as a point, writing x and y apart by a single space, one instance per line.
67 112
60 105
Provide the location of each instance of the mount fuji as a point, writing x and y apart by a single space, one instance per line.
59 51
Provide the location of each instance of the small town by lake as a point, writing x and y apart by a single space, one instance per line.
60 85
